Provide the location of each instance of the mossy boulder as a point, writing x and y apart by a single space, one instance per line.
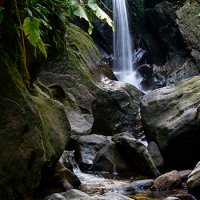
171 118
189 23
34 132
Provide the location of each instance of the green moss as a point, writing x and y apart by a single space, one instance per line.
189 22
81 52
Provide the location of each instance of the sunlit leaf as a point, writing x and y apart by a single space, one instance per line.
100 13
31 30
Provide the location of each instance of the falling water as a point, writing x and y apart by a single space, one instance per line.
122 45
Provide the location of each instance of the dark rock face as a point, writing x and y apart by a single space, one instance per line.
161 22
108 159
188 22
170 117
115 109
34 132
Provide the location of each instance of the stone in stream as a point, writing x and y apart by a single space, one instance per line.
168 181
171 117
142 184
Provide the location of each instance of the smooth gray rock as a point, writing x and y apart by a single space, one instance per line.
87 147
155 154
136 155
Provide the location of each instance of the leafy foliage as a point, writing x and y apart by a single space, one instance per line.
28 27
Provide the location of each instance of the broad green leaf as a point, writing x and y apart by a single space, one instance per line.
100 13
31 29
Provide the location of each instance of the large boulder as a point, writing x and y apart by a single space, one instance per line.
34 132
115 109
167 181
112 105
108 159
87 147
136 155
171 118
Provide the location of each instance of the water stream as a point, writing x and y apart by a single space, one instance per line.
122 45
97 185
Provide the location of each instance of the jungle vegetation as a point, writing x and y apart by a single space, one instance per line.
32 30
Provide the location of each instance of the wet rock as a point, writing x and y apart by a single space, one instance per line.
193 182
136 155
168 181
111 196
108 159
59 180
78 195
87 148
170 117
72 194
145 73
155 154
142 184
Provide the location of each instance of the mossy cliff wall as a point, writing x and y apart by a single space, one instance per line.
34 131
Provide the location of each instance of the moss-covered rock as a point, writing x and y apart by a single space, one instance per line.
171 117
114 105
34 132
189 23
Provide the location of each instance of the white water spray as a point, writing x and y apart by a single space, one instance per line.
122 45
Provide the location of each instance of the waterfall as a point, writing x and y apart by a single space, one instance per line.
122 45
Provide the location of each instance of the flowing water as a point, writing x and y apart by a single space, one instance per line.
97 185
122 45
